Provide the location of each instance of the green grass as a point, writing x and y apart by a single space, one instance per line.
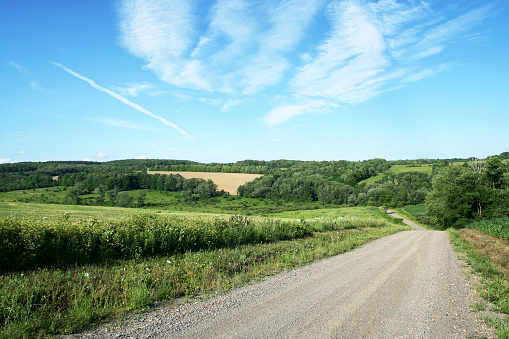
415 213
358 211
165 201
400 169
483 254
53 212
50 301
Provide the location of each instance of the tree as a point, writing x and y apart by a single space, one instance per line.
141 198
72 196
494 171
123 199
453 199
101 194
206 189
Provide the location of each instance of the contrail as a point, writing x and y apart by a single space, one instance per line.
124 100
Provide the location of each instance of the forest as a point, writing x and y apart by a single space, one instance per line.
454 191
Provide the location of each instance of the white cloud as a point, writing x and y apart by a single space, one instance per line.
120 123
18 67
125 101
87 159
142 157
286 112
101 155
21 152
213 102
426 73
36 87
4 160
243 47
133 89
230 103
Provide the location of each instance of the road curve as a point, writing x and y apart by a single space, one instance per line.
407 285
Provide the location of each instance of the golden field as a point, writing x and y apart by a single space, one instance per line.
229 182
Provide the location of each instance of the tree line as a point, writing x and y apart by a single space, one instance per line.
477 190
456 191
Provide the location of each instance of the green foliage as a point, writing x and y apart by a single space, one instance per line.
451 202
28 244
498 227
461 194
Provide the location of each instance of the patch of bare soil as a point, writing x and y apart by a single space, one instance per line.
229 182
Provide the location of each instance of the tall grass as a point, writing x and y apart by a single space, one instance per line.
47 301
27 244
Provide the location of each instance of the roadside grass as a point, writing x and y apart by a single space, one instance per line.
416 214
488 256
50 301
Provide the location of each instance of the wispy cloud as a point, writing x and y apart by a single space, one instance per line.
224 104
133 89
243 47
18 67
125 101
120 123
252 37
230 103
425 73
288 111
36 87
5 160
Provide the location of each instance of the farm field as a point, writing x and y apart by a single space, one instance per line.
229 182
157 201
358 211
113 260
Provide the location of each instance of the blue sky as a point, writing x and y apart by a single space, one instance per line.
222 81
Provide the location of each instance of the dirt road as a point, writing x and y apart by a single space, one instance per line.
408 285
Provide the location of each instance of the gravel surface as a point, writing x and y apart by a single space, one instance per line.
407 285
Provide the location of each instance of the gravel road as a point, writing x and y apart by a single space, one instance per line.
407 285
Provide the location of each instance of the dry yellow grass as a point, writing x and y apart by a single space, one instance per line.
495 248
229 182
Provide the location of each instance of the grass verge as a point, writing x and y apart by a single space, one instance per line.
49 301
488 256
414 213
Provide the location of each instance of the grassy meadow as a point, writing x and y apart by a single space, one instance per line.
67 267
400 169
158 202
